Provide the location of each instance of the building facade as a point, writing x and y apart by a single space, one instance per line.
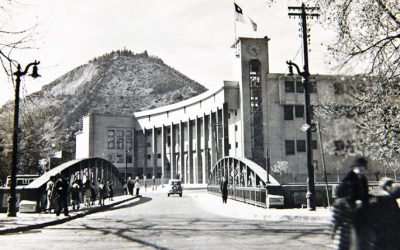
257 117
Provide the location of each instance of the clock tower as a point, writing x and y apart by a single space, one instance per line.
254 67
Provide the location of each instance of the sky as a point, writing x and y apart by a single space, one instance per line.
192 36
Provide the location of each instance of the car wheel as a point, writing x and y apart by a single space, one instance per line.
168 195
180 195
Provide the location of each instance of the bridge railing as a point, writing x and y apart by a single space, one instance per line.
247 181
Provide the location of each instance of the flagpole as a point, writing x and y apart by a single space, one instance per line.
234 21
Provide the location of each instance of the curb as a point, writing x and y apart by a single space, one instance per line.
63 220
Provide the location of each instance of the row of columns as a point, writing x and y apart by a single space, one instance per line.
211 138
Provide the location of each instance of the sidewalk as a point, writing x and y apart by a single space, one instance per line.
235 209
29 221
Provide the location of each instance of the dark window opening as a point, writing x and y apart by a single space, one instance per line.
289 146
299 111
299 87
289 86
288 112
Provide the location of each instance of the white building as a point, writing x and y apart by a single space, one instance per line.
256 117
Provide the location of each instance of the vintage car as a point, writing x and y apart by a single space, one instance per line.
175 187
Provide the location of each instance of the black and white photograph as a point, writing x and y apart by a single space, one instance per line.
200 124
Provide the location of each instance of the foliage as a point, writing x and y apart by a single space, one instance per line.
368 39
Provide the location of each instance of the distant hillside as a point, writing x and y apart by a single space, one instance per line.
120 82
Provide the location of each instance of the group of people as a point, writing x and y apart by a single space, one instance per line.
361 220
130 186
60 193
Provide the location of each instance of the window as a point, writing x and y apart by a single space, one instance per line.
111 158
120 133
129 143
120 159
148 157
301 146
339 145
313 86
299 87
111 145
111 133
299 111
236 144
289 146
129 133
128 158
289 86
120 143
159 156
255 73
158 132
235 127
338 88
148 144
288 112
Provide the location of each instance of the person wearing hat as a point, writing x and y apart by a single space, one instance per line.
355 185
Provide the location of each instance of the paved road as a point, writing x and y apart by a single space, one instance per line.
159 222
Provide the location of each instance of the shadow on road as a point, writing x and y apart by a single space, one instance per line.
141 201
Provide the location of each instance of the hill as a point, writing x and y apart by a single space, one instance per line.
120 82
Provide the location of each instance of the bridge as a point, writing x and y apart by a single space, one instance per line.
79 169
247 181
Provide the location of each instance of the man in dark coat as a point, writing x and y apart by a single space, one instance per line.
355 183
354 189
61 187
224 189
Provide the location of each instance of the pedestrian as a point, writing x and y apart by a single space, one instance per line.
131 185
93 192
354 188
110 190
61 188
355 183
343 234
102 193
88 193
125 186
224 189
75 190
137 185
50 194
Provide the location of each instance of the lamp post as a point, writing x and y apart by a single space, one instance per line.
310 168
126 164
12 199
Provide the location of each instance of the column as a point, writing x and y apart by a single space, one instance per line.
198 164
154 149
163 156
225 132
181 152
205 167
172 151
213 139
189 166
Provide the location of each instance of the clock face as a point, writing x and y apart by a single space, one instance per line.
254 49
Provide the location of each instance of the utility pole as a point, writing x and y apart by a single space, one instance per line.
301 12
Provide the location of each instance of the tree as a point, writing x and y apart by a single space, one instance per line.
281 167
369 39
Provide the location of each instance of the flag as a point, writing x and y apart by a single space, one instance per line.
240 17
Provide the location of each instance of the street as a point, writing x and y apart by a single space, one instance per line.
159 222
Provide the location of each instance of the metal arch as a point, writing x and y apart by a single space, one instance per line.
241 172
88 167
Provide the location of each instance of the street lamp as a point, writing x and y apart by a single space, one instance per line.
126 164
310 169
12 199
